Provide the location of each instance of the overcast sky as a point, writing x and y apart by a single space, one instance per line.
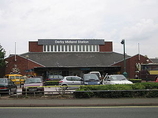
136 21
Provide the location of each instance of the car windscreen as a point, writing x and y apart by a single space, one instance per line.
3 81
33 80
90 77
55 77
117 78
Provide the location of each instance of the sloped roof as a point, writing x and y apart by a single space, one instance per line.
74 59
154 60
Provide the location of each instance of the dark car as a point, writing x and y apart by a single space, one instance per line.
7 86
91 79
33 85
53 79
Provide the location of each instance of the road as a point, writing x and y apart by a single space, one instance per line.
79 112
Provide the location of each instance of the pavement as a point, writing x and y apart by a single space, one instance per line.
42 102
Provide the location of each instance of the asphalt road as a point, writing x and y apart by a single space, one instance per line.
79 112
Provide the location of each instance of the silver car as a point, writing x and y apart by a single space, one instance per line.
33 85
70 80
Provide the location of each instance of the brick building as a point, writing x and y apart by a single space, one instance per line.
72 56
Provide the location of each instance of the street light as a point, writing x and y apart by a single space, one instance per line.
124 60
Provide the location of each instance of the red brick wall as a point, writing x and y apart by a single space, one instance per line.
108 47
131 64
34 47
22 64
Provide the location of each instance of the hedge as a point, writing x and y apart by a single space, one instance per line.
51 83
146 89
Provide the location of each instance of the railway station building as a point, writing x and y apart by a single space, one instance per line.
72 57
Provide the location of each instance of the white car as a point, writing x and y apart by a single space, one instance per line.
116 79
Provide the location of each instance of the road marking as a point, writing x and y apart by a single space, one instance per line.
79 107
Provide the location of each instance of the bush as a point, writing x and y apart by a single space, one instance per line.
146 89
51 83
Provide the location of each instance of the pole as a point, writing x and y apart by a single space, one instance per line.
124 58
15 51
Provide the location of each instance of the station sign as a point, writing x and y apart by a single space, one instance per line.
70 41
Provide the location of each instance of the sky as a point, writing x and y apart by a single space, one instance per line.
135 21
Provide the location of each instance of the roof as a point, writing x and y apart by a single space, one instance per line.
75 59
154 60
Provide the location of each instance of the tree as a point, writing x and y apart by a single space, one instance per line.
2 55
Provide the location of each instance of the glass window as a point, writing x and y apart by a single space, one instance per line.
68 78
55 48
17 77
2 80
77 79
59 48
12 77
91 47
62 49
51 48
44 48
68 48
48 48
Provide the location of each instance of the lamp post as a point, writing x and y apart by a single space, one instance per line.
124 60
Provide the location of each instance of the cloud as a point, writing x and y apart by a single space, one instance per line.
143 30
26 20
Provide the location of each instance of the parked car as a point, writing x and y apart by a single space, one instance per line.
7 86
16 78
91 79
71 80
53 80
32 85
116 79
96 72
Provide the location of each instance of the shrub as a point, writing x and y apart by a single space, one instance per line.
146 89
136 80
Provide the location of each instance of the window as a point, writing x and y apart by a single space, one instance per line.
68 78
70 48
44 48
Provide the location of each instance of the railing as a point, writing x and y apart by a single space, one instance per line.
61 91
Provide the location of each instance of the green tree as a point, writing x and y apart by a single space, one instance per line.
2 55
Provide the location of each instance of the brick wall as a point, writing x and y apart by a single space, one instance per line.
108 47
34 47
21 63
131 64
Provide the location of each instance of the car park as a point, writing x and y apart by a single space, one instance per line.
116 79
53 80
33 85
91 79
7 86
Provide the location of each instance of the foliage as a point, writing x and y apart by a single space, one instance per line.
2 55
146 89
51 83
